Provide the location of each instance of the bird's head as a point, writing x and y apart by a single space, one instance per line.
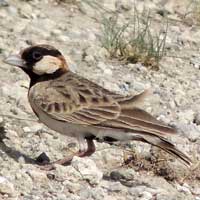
39 60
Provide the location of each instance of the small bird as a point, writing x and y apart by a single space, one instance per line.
76 107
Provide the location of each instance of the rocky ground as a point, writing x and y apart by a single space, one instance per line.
121 171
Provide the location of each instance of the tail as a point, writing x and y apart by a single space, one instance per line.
163 144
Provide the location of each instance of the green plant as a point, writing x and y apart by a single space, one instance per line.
134 41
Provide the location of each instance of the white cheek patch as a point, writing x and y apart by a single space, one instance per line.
47 65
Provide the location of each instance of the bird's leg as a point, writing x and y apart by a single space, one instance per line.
81 153
90 149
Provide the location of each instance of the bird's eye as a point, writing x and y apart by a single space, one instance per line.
37 55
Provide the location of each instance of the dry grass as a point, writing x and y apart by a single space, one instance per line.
134 41
160 164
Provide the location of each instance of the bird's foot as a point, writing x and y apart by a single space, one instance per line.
45 164
51 166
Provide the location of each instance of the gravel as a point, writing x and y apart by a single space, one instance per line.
74 27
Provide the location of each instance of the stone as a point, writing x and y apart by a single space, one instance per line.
124 5
1 122
146 196
115 187
68 173
122 174
89 59
105 68
197 119
186 116
6 187
38 176
183 188
190 131
27 129
56 32
3 3
87 169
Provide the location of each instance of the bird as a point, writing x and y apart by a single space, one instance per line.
77 107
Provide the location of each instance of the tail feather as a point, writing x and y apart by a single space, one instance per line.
167 146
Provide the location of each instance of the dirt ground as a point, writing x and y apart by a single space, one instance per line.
121 171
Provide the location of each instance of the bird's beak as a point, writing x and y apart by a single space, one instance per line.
15 60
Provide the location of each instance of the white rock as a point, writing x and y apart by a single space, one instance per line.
138 86
183 188
89 59
191 131
38 176
91 36
87 169
72 187
186 116
86 9
26 10
27 129
63 38
21 160
33 129
1 121
6 187
56 32
115 187
108 71
102 53
12 10
105 68
124 5
68 173
12 134
146 195
3 3
196 119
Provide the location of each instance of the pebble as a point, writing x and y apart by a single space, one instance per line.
124 5
68 173
87 9
190 131
26 10
197 119
186 116
38 176
122 174
115 187
27 129
3 3
1 122
56 32
146 196
87 169
6 187
63 38
183 188
90 59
